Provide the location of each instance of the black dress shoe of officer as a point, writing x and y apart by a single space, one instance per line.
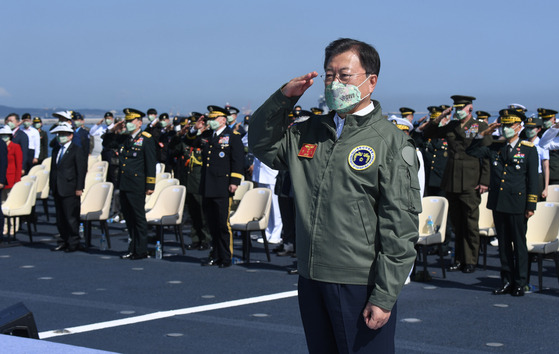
193 246
517 291
455 267
505 289
139 256
127 256
204 246
210 262
469 268
60 247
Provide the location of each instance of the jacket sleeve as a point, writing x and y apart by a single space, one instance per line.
433 131
237 159
18 153
150 162
23 142
398 208
549 139
532 180
268 126
3 163
81 167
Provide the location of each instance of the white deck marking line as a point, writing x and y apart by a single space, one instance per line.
165 314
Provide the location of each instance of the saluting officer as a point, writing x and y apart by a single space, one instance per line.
137 179
465 177
549 141
513 196
222 171
435 156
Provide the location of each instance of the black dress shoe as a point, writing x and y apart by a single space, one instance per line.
518 291
204 246
127 256
293 271
211 262
60 247
505 289
225 265
139 256
193 246
469 268
455 267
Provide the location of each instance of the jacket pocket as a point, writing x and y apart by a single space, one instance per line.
368 219
410 198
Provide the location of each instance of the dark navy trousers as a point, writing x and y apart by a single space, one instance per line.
332 316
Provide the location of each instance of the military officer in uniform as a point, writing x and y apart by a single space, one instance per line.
435 155
483 116
512 196
137 179
222 172
465 178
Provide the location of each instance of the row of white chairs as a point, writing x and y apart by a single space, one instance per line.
542 236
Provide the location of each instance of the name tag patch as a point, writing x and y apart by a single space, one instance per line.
307 151
361 157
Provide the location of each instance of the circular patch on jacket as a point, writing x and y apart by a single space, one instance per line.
361 157
222 154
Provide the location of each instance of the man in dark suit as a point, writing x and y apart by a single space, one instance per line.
67 180
222 171
81 131
513 196
464 179
19 137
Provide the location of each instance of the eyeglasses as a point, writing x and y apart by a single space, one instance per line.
343 78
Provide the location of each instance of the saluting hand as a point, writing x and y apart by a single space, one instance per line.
491 128
298 86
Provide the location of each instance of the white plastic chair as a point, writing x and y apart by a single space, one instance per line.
35 169
20 203
95 207
168 211
100 166
253 214
159 186
162 175
91 160
552 193
43 189
91 178
437 209
46 163
542 235
486 226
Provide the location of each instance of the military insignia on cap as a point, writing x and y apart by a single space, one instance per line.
361 157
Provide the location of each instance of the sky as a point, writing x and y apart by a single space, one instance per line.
180 56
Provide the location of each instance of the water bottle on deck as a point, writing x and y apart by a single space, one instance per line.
103 242
158 251
430 225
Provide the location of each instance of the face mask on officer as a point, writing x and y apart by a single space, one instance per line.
108 121
63 139
6 138
508 132
531 132
38 125
547 123
164 123
26 123
230 119
151 117
78 123
214 124
460 115
11 125
130 127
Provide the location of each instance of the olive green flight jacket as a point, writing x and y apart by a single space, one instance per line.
357 196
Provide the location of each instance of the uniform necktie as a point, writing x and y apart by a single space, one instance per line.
60 155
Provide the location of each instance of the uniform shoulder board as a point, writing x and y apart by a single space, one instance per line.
527 143
236 132
146 134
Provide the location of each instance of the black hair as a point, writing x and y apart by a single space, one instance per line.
13 114
368 55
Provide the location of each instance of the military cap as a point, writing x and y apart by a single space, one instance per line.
185 120
444 106
434 111
517 107
232 110
401 123
533 122
164 116
196 115
37 120
216 111
152 111
76 115
130 114
317 111
405 111
247 118
26 116
462 101
482 115
109 114
177 120
510 116
63 115
545 113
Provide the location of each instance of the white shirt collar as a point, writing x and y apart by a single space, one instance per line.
339 121
217 132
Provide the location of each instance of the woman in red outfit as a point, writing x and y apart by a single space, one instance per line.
15 158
